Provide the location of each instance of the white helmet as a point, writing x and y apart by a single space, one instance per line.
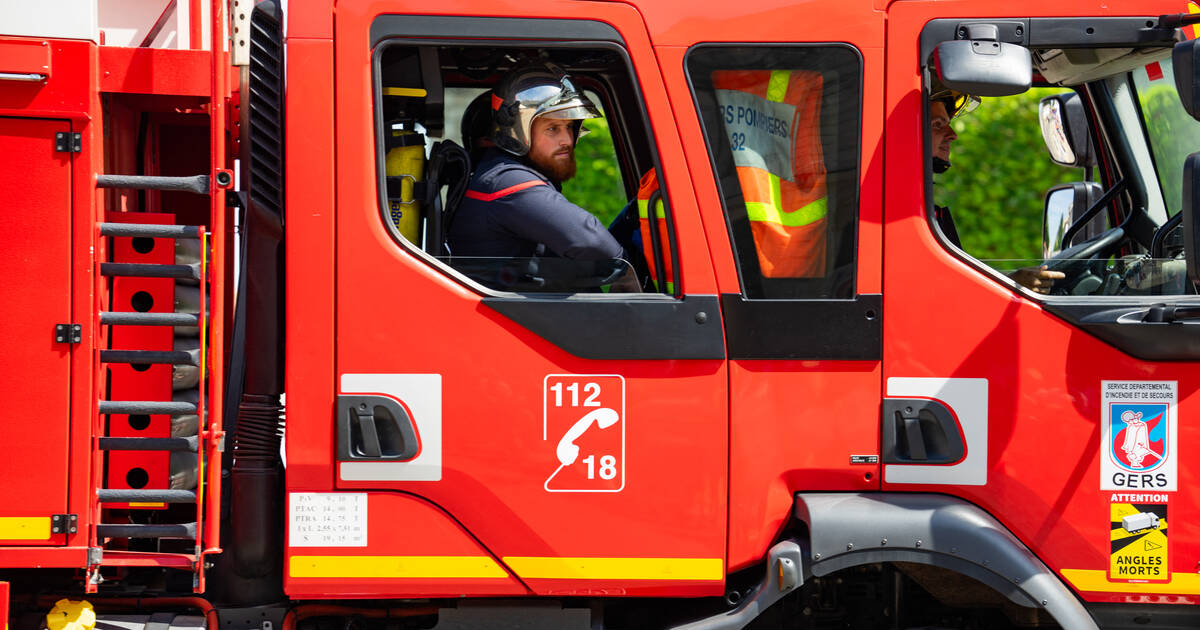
537 90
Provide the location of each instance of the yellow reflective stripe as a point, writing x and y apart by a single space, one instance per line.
395 567
776 193
815 211
24 527
1097 581
778 85
708 569
643 209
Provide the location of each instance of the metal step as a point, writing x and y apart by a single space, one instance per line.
108 407
179 530
149 357
149 444
151 230
146 496
197 183
139 270
121 318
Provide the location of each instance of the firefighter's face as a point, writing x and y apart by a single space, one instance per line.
552 148
941 134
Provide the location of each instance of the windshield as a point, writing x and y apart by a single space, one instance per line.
1173 134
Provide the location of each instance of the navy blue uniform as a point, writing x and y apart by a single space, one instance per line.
512 211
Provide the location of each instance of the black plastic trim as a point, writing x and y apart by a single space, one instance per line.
1120 324
1059 32
605 327
850 330
387 26
919 431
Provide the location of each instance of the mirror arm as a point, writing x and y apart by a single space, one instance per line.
1104 200
1160 235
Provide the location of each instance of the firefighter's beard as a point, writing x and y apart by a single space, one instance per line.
558 166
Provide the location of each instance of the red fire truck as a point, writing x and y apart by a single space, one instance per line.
216 211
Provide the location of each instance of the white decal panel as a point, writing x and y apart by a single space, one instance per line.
583 426
1139 426
422 396
968 399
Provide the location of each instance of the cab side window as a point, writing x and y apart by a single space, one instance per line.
783 130
456 204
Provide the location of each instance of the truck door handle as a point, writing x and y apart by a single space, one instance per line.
920 431
375 427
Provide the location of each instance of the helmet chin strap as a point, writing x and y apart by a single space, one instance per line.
940 165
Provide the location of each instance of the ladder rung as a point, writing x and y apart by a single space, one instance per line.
139 270
153 230
122 318
144 357
149 444
180 530
197 183
146 496
108 407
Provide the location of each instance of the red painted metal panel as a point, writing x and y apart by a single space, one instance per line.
155 71
67 94
140 469
35 377
45 557
4 604
25 56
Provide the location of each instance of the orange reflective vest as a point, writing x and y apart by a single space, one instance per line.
652 227
773 122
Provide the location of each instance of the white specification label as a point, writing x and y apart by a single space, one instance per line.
327 519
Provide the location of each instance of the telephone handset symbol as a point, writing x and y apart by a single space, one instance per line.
567 451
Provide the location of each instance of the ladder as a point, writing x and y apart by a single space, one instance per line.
206 444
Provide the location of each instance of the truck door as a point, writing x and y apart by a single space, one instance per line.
578 435
784 126
1057 410
36 379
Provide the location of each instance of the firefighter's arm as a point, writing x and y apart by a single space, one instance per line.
544 215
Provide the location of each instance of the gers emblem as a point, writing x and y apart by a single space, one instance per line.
1138 433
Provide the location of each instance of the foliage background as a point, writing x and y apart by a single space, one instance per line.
997 186
597 185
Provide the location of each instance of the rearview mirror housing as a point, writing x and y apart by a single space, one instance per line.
1064 203
1065 130
1191 196
983 67
1184 63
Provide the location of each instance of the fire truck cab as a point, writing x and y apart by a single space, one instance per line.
823 409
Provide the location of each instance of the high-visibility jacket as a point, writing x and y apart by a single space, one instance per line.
653 228
773 123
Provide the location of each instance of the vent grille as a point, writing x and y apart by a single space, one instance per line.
265 97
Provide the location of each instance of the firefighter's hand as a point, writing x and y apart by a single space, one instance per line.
627 283
1039 279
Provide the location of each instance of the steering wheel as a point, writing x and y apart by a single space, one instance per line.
1073 261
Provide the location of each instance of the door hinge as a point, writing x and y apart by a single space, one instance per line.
67 142
64 524
68 333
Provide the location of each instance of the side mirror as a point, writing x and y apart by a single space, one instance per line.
1191 196
1184 62
1064 203
1065 130
983 67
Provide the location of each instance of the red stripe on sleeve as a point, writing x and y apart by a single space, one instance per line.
474 194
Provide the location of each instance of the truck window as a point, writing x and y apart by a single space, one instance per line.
783 126
1003 205
1172 132
433 101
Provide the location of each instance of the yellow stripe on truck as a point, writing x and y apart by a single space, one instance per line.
395 567
1097 582
24 528
709 569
